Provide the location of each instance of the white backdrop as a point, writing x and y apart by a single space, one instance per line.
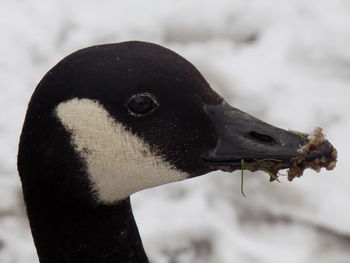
287 62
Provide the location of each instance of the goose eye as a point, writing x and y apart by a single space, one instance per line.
142 104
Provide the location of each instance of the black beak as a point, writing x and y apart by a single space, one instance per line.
245 142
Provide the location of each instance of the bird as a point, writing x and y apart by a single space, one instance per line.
111 120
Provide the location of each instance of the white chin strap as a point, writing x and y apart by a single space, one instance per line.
118 162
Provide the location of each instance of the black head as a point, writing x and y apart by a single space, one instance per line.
151 91
104 115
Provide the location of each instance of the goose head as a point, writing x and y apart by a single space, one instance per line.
110 120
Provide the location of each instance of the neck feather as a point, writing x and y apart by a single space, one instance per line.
101 234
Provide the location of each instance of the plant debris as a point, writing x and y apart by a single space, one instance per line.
317 153
298 164
243 166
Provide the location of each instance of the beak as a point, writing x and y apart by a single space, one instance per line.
245 142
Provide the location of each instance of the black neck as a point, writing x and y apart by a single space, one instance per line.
67 226
97 235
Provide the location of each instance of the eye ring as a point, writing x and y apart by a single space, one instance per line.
142 104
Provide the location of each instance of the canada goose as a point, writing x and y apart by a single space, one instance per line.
110 120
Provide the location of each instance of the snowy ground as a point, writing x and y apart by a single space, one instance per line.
287 62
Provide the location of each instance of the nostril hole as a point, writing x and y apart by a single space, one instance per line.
261 137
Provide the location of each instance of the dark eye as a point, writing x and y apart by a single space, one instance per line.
142 104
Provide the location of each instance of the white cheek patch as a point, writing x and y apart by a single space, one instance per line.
118 162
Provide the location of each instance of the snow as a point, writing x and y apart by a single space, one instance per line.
287 62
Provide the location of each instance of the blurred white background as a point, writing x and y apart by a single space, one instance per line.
285 61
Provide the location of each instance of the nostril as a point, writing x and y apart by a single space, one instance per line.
261 137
